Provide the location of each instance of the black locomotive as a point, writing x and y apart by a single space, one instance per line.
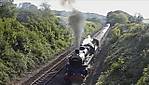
77 67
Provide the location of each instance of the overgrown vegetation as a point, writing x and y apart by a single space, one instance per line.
128 55
29 37
91 27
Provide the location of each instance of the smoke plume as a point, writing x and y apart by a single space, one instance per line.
76 22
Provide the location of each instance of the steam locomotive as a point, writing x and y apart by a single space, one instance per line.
78 63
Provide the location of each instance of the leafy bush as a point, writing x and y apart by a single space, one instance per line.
144 80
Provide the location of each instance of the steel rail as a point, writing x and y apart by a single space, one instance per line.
52 72
46 69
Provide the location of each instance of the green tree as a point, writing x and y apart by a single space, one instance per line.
8 9
45 6
117 17
138 18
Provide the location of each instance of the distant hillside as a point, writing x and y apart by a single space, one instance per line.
89 16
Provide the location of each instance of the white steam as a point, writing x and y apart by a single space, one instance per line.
76 21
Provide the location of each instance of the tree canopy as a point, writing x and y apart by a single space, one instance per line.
117 17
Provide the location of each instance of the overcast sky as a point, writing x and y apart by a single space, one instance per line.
99 6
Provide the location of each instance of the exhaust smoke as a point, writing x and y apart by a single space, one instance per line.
76 22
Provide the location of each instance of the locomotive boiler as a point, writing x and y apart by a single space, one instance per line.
78 63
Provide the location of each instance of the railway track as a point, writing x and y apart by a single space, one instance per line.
45 76
50 70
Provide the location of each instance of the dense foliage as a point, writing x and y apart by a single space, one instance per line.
26 44
7 9
128 56
29 37
118 16
91 27
122 17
